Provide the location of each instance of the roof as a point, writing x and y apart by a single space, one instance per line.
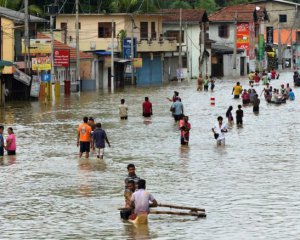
240 13
110 14
187 15
18 17
60 45
277 1
222 49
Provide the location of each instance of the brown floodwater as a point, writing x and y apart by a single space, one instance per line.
249 188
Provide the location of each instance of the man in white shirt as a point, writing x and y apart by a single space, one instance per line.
142 200
123 109
219 131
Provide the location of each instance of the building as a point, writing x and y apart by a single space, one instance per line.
196 55
67 72
236 28
96 32
282 31
12 31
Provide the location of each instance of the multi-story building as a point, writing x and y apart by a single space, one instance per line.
95 36
282 31
236 28
196 55
12 31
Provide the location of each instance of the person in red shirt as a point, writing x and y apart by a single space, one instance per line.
273 74
185 128
147 108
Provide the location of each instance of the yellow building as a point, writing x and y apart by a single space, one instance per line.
95 35
12 28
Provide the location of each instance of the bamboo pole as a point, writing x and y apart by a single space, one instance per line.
181 207
196 214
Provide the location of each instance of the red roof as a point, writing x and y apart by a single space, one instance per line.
187 15
240 13
60 45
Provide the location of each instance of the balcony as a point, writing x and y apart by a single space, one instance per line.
157 45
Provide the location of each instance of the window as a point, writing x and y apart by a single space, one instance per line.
282 18
79 25
105 30
144 30
223 31
63 25
174 35
153 32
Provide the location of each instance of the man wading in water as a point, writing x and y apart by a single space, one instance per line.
84 138
219 131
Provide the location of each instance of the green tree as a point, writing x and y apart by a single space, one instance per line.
180 4
11 4
209 5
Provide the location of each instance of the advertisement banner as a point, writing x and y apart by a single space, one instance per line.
61 58
138 63
35 87
243 37
38 46
252 55
270 35
127 48
261 46
41 64
22 77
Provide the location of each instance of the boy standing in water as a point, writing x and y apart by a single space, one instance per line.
131 175
99 138
123 109
239 115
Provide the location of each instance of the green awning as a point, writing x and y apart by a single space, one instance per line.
4 63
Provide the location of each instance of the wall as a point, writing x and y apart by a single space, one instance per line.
228 65
88 34
191 39
8 43
214 34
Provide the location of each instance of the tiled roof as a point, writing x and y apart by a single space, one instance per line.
243 13
19 17
60 45
187 15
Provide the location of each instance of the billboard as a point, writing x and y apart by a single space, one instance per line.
61 58
38 46
22 77
243 37
127 48
41 64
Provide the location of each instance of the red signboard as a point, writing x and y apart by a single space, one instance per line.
243 37
61 58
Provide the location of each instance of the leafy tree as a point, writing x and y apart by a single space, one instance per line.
180 4
209 5
11 4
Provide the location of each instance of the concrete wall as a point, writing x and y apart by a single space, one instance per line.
214 34
88 34
8 51
275 9
191 40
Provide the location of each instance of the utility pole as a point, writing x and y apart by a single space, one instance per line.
187 52
180 44
26 38
234 42
202 47
279 47
112 56
77 45
132 51
52 47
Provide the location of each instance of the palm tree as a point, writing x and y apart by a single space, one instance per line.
124 6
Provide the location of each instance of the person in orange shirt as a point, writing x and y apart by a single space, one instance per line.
84 138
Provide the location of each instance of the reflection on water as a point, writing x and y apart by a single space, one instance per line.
249 187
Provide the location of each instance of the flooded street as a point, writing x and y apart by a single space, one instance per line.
249 188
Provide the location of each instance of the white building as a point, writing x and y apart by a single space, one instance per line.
235 27
192 50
